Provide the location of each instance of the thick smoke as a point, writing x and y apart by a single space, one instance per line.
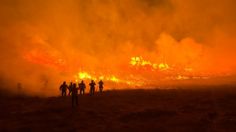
45 42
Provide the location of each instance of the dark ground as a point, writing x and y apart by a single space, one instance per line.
211 109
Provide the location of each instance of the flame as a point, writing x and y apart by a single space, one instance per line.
138 61
163 66
84 75
114 79
131 77
87 76
138 71
110 78
181 77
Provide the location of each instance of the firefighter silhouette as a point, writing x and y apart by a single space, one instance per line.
74 95
63 88
100 83
82 87
70 88
92 87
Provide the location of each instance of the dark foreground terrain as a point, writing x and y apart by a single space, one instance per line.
210 109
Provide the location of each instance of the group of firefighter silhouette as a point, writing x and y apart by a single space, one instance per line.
74 90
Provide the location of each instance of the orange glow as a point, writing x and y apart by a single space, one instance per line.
45 58
139 43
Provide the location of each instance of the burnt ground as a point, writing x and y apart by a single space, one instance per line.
211 109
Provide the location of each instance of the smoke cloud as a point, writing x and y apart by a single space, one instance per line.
45 42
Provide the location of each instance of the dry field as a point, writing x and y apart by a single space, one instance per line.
205 109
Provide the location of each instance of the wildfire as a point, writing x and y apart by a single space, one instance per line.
132 78
87 76
84 75
130 81
162 71
140 62
163 66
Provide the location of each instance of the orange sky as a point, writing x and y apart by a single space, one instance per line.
46 41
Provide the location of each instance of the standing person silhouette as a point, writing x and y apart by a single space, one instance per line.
74 95
63 88
92 87
70 88
82 87
100 83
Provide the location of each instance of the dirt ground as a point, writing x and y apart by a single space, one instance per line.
207 109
